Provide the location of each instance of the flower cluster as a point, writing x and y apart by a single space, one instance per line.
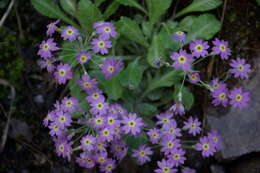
97 135
220 93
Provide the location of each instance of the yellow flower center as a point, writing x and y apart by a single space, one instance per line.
193 77
55 127
100 106
101 44
45 46
166 170
170 144
70 32
87 141
62 72
83 58
179 33
118 148
193 126
199 48
48 62
87 85
172 130
62 119
99 121
205 146
215 139
100 145
176 156
165 120
131 123
222 96
241 67
61 148
95 95
110 69
89 160
110 121
109 167
107 29
216 85
182 59
222 47
142 153
154 135
101 160
105 132
239 98
69 103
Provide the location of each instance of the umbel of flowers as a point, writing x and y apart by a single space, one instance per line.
96 138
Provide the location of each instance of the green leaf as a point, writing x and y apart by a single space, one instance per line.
131 30
146 109
111 9
157 8
166 80
187 96
155 51
113 88
258 2
69 6
68 53
204 27
98 2
88 14
51 9
200 6
132 3
186 23
132 75
133 142
75 91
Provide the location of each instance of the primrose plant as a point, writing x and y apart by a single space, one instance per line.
128 82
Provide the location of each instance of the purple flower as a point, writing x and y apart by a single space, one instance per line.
188 170
86 83
99 107
172 130
46 48
177 108
85 160
51 28
193 125
83 57
99 24
169 143
221 48
100 145
199 48
100 157
55 129
108 166
132 124
63 73
177 157
182 60
206 147
142 154
216 139
220 97
87 143
63 119
154 135
240 68
194 77
216 84
106 30
119 149
165 119
179 36
63 149
101 45
95 95
99 121
70 104
111 66
165 166
106 134
48 118
69 33
238 98
112 121
47 63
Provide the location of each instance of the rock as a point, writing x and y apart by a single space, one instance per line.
38 99
20 129
239 128
217 168
250 165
